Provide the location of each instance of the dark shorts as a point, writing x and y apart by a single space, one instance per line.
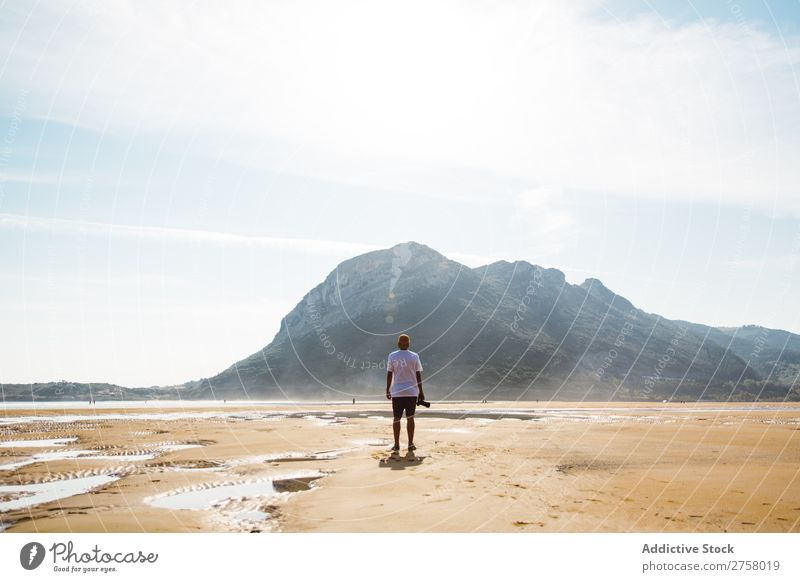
401 403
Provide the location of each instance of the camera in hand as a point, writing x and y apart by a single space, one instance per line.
421 402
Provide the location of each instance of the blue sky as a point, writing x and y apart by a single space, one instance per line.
173 180
779 18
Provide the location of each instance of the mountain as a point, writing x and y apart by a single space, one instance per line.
773 353
500 331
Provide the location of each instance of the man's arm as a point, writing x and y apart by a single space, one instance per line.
419 385
388 385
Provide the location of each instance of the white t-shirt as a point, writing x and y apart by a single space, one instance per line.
404 365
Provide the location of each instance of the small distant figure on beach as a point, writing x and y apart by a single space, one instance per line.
354 400
404 388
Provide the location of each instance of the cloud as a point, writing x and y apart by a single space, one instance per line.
67 227
543 205
544 221
544 91
77 227
39 178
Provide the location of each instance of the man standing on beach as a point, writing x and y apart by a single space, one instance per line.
403 388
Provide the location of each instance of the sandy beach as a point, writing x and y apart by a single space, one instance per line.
482 467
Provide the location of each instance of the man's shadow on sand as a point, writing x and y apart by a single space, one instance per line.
399 462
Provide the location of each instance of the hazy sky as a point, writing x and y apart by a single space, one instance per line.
174 177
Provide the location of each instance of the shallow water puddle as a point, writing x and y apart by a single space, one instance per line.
140 456
301 456
325 419
208 498
168 448
217 495
254 515
44 458
36 493
39 443
287 456
91 455
120 457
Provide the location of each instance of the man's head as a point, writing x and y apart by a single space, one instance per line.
403 342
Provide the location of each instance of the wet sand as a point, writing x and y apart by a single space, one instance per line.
495 467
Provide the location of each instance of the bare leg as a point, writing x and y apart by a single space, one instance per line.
410 427
396 429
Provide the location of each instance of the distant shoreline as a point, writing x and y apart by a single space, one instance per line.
509 405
